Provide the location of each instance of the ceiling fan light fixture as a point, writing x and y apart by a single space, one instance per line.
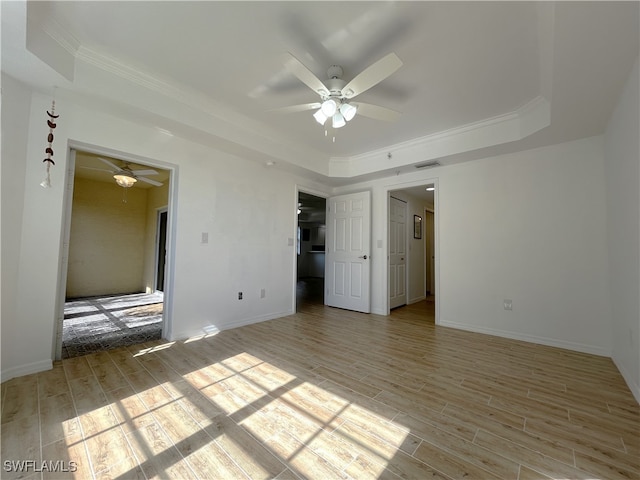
320 117
124 180
329 107
348 111
338 120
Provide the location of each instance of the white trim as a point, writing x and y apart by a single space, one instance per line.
629 380
60 35
63 265
508 127
28 369
551 342
209 329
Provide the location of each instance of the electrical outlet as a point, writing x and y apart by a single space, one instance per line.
508 304
239 295
205 237
263 293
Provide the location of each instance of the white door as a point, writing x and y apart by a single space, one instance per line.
397 253
347 262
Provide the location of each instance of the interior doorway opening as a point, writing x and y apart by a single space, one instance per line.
310 250
411 264
115 255
161 248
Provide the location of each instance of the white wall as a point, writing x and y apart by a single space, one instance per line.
622 151
15 125
248 210
530 227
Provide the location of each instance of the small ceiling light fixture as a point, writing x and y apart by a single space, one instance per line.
125 180
339 111
320 117
430 188
338 120
348 111
329 107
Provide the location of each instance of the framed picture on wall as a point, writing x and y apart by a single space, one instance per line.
417 226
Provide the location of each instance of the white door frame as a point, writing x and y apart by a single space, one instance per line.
436 220
66 225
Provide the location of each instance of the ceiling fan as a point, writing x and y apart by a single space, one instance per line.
336 94
124 176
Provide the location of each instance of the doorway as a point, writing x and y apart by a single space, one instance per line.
310 250
161 249
412 215
115 255
397 252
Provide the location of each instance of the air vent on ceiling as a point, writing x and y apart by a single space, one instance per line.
435 163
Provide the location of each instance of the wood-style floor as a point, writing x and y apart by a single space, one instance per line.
326 394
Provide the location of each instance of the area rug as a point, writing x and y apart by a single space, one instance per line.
106 322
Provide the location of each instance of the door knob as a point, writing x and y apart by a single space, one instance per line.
363 256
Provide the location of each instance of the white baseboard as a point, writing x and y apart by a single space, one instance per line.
630 381
417 299
550 342
27 369
212 329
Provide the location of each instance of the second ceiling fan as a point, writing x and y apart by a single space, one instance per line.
336 94
124 176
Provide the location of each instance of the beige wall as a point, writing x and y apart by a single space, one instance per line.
107 243
157 197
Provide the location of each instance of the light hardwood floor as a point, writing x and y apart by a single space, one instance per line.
327 394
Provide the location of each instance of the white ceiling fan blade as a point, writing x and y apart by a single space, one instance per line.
297 108
110 163
372 75
377 112
144 172
305 75
148 180
96 169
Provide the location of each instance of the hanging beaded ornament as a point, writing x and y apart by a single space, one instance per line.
46 183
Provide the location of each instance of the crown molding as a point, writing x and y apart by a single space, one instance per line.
61 36
137 87
508 127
